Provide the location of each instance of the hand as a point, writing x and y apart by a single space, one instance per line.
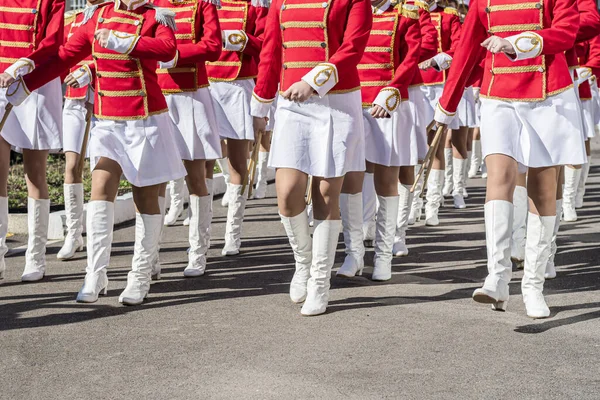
101 37
299 92
425 65
260 124
6 80
495 44
71 81
379 112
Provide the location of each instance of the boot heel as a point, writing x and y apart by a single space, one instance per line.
104 291
80 249
500 306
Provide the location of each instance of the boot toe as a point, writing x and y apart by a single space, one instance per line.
193 272
33 276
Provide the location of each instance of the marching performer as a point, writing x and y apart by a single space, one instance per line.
231 84
386 70
434 75
529 115
32 30
133 135
76 107
185 85
318 125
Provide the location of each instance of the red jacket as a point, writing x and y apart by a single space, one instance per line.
389 61
447 23
72 23
246 16
593 58
126 84
32 29
589 27
339 31
198 41
542 35
429 39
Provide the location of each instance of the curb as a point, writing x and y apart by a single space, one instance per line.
124 211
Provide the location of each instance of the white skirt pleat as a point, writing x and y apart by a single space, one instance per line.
433 94
322 137
466 112
536 134
421 117
196 129
232 107
587 112
145 149
36 124
74 114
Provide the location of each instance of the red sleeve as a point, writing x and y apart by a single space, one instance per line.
429 40
465 59
256 36
209 46
161 46
561 35
410 37
269 67
53 33
356 36
589 20
77 48
455 34
594 54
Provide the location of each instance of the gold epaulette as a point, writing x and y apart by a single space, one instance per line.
451 11
71 15
422 5
409 11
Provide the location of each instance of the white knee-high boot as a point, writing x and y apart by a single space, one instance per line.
572 178
405 199
537 254
498 228
448 173
156 267
464 176
325 239
73 194
476 159
210 185
416 210
298 233
519 228
147 236
38 216
99 232
459 180
387 219
261 175
369 198
351 208
551 267
198 236
3 233
224 166
434 197
235 218
585 172
176 189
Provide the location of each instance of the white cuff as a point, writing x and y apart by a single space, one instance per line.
21 67
234 40
583 74
442 116
169 64
526 45
260 107
443 61
82 75
17 92
122 42
389 99
322 78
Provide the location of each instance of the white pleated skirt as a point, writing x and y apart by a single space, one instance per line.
596 104
389 141
433 94
145 149
36 124
536 134
271 121
587 116
232 107
74 114
322 137
422 116
196 129
466 112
